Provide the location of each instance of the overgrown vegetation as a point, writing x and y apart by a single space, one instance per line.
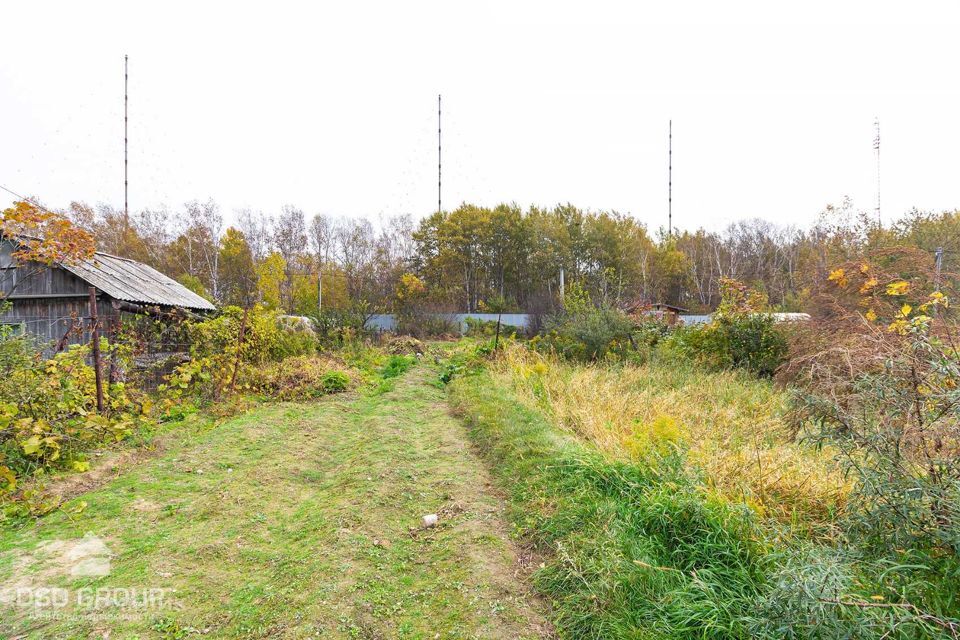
730 426
582 331
629 546
677 493
739 335
640 544
879 385
49 419
297 378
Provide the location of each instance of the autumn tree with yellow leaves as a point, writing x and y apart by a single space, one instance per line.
878 385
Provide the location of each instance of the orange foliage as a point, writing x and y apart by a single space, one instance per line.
44 236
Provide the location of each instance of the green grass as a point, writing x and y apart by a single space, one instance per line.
644 548
397 365
296 520
633 551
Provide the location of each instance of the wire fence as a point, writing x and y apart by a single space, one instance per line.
153 363
139 352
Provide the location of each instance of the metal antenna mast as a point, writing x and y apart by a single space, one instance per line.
126 204
876 149
439 159
670 183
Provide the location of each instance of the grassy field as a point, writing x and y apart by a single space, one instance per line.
611 474
632 551
730 424
294 520
654 501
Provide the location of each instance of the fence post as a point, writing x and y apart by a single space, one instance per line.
95 343
236 364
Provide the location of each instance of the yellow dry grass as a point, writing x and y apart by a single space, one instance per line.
730 424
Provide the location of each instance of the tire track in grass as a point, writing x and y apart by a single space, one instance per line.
294 520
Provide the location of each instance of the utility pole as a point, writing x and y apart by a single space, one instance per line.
876 149
936 278
439 158
95 348
126 204
670 181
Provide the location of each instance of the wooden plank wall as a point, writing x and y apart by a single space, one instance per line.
48 319
46 301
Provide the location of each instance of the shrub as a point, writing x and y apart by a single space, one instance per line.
878 382
218 354
48 411
740 335
892 416
651 332
339 327
266 337
334 381
296 378
742 341
587 334
293 339
426 325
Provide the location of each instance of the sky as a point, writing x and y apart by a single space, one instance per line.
332 107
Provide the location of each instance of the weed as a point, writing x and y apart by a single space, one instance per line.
396 366
298 378
639 549
729 424
633 549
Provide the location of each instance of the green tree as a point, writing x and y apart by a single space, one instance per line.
238 274
271 276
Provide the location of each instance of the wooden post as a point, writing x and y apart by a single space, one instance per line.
236 364
95 344
496 340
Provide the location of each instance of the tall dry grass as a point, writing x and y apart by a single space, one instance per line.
729 424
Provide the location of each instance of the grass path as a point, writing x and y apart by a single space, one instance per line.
292 521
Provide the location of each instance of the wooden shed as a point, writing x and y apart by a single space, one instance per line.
52 302
662 311
667 312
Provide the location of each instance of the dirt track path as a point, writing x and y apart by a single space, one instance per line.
293 521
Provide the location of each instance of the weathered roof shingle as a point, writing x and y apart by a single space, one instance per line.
134 281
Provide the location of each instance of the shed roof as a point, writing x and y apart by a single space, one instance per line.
640 305
669 307
133 281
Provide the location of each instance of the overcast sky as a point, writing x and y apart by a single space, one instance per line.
332 106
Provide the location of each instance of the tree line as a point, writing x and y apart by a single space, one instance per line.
480 258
